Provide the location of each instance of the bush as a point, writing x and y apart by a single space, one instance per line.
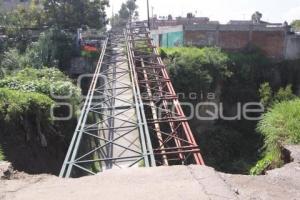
279 126
11 61
268 98
202 68
284 94
43 81
265 93
15 104
55 48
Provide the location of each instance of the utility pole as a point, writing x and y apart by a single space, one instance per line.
148 14
112 17
152 12
152 24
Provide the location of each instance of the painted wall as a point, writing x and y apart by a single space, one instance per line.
168 36
200 38
174 39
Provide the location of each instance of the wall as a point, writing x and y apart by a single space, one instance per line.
271 43
232 40
168 36
273 39
270 39
293 47
200 38
173 39
155 23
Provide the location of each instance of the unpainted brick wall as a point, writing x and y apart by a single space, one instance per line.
272 43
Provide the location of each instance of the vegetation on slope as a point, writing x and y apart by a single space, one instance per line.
231 146
206 67
18 106
25 118
48 81
34 61
280 126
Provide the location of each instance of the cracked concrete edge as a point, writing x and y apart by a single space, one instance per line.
294 151
213 184
279 183
4 166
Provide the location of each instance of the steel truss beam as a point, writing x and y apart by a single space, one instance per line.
112 131
171 136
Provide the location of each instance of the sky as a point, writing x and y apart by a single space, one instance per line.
276 11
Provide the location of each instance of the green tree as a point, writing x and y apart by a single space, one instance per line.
54 48
126 11
74 14
296 25
115 20
21 17
196 70
19 24
131 6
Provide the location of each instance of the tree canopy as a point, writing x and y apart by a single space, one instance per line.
76 13
296 25
206 67
127 10
61 13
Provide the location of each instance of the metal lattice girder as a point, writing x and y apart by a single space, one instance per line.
171 136
112 131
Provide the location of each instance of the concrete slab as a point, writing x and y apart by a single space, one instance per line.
175 183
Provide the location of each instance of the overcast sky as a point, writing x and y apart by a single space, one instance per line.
221 10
